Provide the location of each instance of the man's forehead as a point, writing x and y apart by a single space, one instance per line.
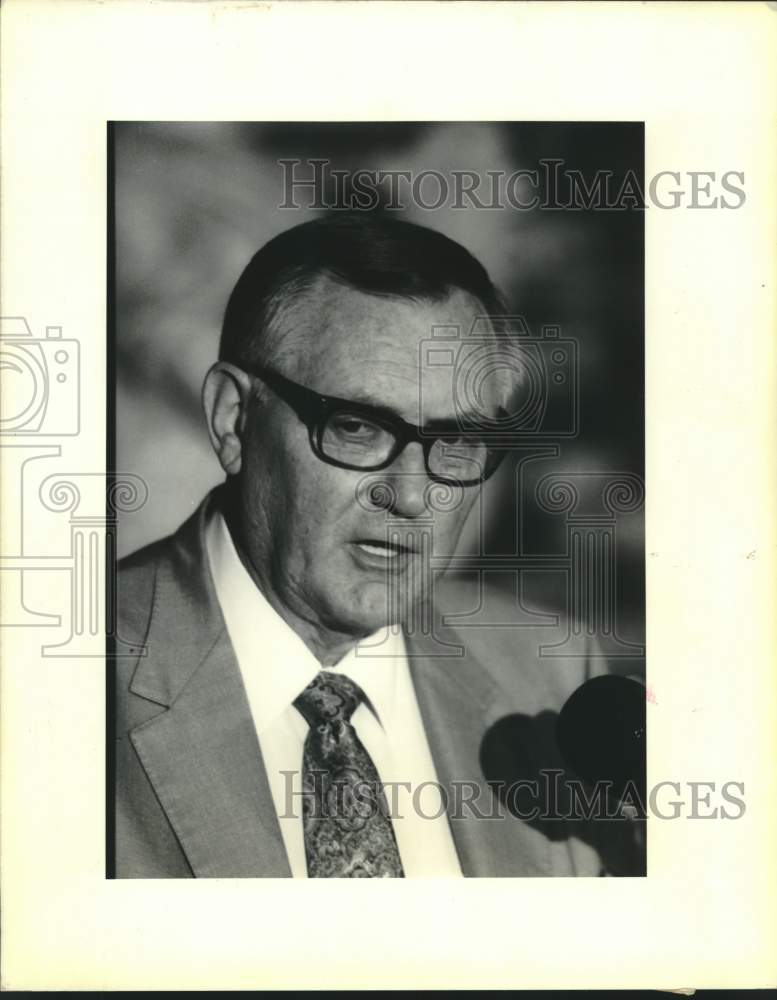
383 350
334 325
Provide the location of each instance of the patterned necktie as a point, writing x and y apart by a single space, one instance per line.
348 832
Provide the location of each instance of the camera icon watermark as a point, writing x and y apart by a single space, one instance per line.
509 385
41 400
40 381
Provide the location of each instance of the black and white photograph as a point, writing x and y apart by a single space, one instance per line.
387 453
380 389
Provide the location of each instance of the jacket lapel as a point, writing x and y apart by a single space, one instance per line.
202 755
458 701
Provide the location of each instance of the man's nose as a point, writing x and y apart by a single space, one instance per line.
407 483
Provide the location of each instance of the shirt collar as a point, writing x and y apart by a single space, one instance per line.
279 662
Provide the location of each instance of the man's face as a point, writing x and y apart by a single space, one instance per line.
315 533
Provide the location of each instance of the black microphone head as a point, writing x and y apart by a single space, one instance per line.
535 766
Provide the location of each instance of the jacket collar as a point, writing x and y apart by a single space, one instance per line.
186 621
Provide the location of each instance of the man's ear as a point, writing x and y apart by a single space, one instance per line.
225 395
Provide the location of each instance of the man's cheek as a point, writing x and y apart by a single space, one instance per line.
446 530
303 500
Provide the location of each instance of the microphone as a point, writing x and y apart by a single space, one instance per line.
598 736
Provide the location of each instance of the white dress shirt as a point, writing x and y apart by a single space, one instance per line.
276 666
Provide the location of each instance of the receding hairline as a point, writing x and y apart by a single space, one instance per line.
276 340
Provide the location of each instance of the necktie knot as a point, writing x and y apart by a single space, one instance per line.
329 698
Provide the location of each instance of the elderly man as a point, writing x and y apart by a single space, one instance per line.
297 706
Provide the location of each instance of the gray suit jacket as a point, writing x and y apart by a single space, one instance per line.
191 793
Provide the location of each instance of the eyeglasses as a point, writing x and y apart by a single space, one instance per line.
359 436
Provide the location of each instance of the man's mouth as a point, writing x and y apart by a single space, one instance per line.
383 549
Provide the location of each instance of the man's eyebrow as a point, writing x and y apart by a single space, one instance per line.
452 423
366 399
464 421
455 422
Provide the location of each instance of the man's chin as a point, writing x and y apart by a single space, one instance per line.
372 607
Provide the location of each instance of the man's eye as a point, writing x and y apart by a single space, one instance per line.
351 426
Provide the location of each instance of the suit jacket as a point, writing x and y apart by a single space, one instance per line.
192 797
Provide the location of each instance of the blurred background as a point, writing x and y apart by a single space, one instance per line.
194 201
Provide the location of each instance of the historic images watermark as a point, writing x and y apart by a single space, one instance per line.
552 185
551 796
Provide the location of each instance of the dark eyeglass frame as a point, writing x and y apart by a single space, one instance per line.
314 410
